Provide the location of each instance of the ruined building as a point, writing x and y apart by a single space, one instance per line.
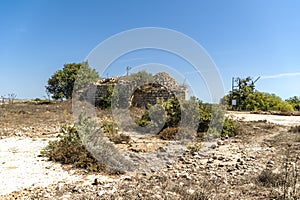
128 90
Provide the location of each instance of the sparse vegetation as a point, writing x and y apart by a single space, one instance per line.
285 184
111 131
295 129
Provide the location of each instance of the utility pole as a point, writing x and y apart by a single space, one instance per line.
127 70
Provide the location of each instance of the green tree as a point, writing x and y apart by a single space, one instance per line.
265 102
295 102
61 83
245 87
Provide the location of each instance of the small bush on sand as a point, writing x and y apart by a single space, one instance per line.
70 150
85 146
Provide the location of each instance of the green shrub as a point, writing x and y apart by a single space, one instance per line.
145 120
205 111
40 101
192 114
173 112
111 131
230 128
266 102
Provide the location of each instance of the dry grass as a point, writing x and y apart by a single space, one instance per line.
33 119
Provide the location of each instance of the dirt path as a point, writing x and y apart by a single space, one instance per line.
276 119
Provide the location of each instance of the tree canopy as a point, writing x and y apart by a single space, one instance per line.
295 102
249 99
61 83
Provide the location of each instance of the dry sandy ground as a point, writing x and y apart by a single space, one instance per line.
276 119
21 167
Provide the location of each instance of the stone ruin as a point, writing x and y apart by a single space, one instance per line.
135 93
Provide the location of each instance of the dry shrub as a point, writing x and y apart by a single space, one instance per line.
69 150
268 178
295 129
83 145
168 134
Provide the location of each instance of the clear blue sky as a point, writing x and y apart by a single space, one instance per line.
244 38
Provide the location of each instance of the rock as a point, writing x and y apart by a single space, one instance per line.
191 191
127 178
270 162
221 165
210 160
101 193
152 169
161 149
95 182
240 161
252 157
221 158
187 177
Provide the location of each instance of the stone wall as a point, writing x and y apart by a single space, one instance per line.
149 94
163 87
